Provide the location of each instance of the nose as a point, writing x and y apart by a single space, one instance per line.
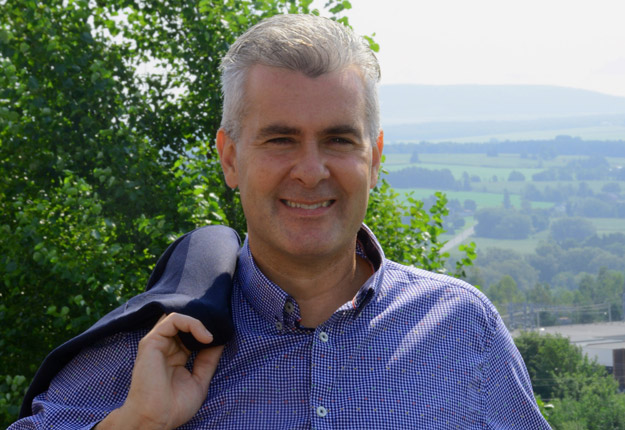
310 165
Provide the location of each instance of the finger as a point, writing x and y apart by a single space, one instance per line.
173 323
206 363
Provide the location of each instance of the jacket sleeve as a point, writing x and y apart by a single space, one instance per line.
192 277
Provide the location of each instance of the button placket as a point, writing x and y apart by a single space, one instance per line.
323 373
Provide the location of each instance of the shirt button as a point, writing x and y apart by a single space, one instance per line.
278 325
289 307
321 411
324 337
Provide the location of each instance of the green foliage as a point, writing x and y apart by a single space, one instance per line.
597 405
63 261
108 110
502 223
495 263
505 291
576 229
516 176
582 394
107 114
551 362
411 235
12 390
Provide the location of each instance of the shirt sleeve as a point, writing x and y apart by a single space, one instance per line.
507 395
88 388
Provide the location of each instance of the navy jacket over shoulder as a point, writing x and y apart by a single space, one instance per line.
192 277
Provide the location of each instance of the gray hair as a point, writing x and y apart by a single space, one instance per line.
304 43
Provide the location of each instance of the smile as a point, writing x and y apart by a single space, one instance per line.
323 204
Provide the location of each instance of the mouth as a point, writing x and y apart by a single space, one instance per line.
311 206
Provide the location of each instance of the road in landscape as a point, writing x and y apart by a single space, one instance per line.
457 240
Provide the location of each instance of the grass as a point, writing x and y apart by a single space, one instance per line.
528 246
488 193
616 161
608 225
522 246
483 200
484 173
481 165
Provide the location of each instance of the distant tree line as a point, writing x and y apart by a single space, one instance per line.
580 200
566 272
419 177
545 149
594 168
559 263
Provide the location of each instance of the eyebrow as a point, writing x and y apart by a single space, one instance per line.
274 129
342 130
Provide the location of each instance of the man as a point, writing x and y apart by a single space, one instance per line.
328 334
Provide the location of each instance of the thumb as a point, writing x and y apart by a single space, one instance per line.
205 364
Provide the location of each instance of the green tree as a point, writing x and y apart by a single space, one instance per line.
470 205
583 394
501 223
505 291
108 110
540 294
516 176
409 234
507 204
104 160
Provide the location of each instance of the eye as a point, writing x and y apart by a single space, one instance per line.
340 141
280 140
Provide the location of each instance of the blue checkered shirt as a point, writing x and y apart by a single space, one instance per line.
412 350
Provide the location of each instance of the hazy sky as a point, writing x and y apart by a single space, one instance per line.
571 43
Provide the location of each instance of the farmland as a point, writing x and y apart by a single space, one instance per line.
489 181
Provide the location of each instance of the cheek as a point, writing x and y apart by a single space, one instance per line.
257 176
355 175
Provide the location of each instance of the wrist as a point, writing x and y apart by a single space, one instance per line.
125 419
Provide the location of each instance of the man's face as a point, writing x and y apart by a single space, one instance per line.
304 163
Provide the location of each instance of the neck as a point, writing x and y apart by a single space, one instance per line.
320 286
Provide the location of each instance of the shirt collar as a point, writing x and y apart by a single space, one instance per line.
279 308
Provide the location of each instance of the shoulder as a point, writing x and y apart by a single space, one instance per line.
101 361
427 291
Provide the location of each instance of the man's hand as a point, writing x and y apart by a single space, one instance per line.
163 393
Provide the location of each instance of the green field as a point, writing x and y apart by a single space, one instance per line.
527 246
479 165
616 161
483 200
489 192
513 161
608 225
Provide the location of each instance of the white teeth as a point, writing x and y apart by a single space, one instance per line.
309 207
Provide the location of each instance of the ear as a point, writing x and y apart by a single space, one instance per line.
227 150
376 158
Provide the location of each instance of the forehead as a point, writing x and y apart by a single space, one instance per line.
277 95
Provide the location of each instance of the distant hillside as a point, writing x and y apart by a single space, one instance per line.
483 112
404 104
